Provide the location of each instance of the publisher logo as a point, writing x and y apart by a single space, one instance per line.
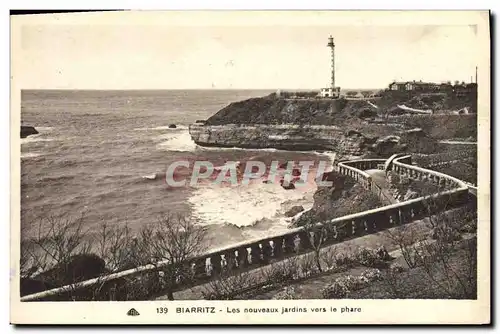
133 312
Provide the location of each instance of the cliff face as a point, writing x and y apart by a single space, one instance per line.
351 128
285 137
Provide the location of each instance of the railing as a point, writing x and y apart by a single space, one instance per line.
259 252
419 173
354 169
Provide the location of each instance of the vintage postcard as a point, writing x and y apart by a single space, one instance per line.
250 167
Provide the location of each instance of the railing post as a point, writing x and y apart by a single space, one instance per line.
277 247
289 244
358 227
255 254
215 262
200 268
305 241
230 260
266 251
243 257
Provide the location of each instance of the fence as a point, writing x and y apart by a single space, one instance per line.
258 252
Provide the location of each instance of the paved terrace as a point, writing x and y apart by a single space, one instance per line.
379 178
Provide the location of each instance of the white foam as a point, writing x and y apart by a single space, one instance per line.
30 155
163 127
35 139
178 141
244 205
44 128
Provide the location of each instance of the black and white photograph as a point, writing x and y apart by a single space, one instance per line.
243 156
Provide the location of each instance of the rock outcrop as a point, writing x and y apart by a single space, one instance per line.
284 137
343 197
294 210
343 126
28 131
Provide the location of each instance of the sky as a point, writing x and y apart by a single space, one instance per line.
124 55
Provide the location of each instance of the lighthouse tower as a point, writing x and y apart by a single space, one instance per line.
331 45
332 91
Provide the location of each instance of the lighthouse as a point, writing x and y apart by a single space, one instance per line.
331 45
332 91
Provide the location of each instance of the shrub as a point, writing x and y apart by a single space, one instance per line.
383 254
341 287
286 293
344 260
336 290
444 234
282 271
371 258
371 275
227 287
396 268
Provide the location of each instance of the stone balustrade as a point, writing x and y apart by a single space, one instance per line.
355 169
401 167
259 252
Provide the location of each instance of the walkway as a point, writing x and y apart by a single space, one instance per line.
378 177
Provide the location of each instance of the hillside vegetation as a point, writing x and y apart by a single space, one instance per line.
358 115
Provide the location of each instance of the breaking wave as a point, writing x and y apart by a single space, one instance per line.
35 139
163 127
177 141
27 155
247 205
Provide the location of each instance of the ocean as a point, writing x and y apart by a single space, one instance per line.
98 151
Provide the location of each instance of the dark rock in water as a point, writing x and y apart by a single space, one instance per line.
200 121
172 126
28 131
294 210
287 186
30 286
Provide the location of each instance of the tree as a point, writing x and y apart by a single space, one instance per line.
447 256
172 241
317 235
58 254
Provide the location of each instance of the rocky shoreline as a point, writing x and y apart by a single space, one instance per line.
351 129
